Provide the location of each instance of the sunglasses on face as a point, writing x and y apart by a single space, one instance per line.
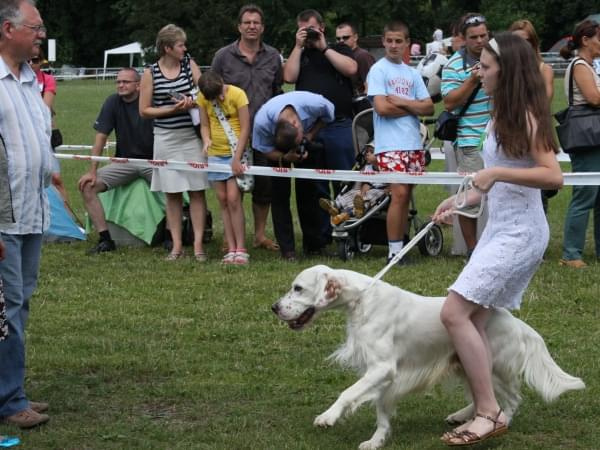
342 38
34 61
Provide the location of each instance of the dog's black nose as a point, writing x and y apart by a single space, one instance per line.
275 308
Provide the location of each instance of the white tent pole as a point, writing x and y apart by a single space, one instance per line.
105 60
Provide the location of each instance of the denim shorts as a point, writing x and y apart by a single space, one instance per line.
219 176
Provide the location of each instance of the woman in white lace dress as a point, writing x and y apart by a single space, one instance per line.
519 155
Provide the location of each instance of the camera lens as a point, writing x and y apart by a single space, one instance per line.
312 34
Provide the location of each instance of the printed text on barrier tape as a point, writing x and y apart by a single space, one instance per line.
571 179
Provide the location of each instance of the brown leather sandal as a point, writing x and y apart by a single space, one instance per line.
267 244
462 438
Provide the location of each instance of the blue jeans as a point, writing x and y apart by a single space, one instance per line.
338 155
339 149
583 200
19 272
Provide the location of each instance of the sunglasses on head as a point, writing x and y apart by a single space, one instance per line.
475 20
342 38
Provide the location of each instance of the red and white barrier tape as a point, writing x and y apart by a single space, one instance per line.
443 178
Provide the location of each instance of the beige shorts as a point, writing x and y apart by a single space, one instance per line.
468 160
115 174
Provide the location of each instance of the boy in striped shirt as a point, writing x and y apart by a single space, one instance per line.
460 77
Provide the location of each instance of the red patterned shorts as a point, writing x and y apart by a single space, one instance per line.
402 161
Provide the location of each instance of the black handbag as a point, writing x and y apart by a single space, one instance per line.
578 126
56 138
446 125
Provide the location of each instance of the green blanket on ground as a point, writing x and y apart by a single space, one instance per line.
135 208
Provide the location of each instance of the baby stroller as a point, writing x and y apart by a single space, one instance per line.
358 235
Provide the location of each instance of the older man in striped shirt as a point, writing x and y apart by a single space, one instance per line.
25 128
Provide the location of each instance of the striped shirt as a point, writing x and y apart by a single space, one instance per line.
25 127
472 125
161 97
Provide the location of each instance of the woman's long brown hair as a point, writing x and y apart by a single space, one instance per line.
520 95
532 37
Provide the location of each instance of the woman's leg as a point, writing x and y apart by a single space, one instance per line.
198 217
174 212
465 322
236 213
221 191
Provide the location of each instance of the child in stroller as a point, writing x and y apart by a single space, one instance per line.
357 233
355 201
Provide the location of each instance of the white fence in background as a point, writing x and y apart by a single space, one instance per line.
554 60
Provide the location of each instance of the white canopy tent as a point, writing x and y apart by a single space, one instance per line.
129 49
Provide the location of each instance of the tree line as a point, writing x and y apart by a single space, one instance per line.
85 28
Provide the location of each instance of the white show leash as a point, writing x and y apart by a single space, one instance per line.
460 201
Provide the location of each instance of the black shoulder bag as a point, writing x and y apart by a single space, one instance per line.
446 125
578 125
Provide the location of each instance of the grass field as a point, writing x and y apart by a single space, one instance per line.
135 352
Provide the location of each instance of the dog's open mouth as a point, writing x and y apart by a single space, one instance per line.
298 323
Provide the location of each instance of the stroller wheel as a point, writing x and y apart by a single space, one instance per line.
345 250
364 248
433 242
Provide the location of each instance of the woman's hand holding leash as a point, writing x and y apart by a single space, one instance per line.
470 192
467 194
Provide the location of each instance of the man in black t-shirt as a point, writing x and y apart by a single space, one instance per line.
316 67
134 137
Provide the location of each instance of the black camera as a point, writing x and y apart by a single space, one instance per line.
312 34
307 147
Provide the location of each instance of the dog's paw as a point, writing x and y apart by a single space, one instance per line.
327 419
370 445
461 416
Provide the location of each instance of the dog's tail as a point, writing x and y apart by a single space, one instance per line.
541 372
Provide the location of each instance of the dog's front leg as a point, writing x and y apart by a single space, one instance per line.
367 388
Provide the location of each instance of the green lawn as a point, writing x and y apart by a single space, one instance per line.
133 352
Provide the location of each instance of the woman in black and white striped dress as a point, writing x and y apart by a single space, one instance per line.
166 95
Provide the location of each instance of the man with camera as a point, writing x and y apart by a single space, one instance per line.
316 67
284 130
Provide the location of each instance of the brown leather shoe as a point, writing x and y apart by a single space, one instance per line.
574 263
27 418
39 407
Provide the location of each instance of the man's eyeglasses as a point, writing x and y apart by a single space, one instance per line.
342 38
36 28
125 81
34 61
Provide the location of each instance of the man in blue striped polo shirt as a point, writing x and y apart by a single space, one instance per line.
460 78
25 128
